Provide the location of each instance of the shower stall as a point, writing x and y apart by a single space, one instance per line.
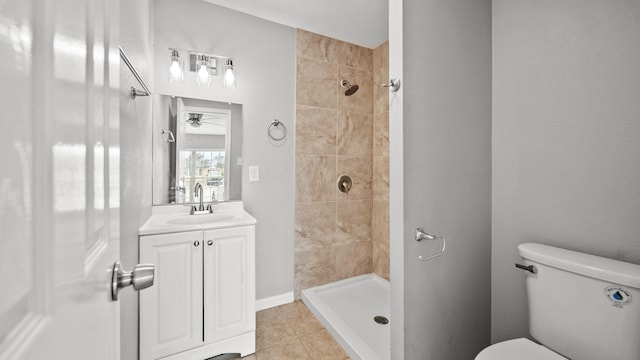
342 185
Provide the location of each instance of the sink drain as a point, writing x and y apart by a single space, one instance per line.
381 320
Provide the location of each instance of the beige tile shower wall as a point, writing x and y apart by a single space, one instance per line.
334 135
380 212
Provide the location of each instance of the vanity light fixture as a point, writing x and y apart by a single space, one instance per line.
205 67
176 67
229 75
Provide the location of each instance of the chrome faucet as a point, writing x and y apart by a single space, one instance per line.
198 210
197 191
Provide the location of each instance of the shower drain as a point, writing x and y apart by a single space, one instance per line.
381 320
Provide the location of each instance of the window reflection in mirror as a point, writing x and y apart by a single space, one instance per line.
206 168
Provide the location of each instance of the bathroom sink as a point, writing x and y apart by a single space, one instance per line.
199 219
172 218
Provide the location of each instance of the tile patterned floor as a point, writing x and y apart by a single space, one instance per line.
291 332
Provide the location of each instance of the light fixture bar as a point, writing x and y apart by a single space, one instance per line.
222 57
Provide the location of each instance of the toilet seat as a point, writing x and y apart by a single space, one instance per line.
521 349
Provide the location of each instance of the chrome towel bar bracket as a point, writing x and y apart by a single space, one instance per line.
420 235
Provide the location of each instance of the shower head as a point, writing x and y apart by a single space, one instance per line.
351 89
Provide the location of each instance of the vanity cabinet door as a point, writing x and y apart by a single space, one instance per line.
229 268
171 310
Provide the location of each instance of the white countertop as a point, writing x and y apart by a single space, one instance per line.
158 223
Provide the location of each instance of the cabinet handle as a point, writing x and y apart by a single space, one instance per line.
210 242
196 243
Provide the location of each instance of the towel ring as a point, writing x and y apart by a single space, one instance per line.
277 123
419 235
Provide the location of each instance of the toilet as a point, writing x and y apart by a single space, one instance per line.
581 307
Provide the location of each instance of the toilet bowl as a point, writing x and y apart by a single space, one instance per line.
520 349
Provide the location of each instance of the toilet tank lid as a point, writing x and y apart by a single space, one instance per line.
616 271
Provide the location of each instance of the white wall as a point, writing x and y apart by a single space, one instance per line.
264 56
566 127
135 157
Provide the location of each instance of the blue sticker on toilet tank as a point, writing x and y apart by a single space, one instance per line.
618 295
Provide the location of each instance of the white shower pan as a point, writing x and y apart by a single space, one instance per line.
347 309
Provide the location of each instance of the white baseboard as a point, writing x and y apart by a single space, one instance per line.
273 301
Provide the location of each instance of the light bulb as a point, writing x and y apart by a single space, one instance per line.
203 77
229 76
175 67
175 70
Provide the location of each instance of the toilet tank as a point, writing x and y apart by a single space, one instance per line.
582 306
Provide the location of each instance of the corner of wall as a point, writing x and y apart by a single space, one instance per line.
135 155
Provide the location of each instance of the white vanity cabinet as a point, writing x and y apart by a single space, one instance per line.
203 301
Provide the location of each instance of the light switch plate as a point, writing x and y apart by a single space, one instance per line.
254 173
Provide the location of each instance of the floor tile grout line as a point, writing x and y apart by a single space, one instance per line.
307 350
287 309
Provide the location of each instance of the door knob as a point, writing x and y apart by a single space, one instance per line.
141 278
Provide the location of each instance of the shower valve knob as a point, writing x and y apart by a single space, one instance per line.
344 184
394 84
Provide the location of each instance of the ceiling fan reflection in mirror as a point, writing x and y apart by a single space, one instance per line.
198 119
206 123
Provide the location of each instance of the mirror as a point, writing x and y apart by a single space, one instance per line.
196 141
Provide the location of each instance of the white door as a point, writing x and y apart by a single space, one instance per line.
229 283
59 179
440 158
171 311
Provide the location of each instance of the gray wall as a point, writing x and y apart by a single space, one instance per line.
264 56
135 157
566 137
447 177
